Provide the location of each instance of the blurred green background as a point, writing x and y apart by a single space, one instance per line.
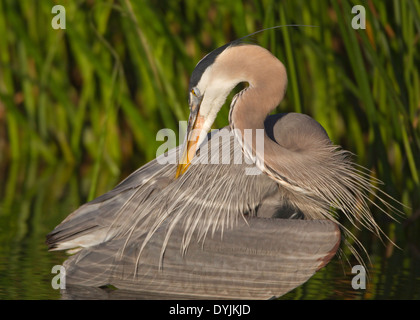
80 109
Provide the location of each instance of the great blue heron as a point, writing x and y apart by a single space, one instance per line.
200 230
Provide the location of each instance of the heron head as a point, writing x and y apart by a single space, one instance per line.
214 78
209 87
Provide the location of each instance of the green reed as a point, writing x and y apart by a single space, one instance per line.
95 94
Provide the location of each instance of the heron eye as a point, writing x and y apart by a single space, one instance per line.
195 92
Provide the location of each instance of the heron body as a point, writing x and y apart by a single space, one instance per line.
200 229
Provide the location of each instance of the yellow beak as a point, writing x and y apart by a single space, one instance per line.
190 147
194 129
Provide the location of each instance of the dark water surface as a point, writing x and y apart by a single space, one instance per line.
33 202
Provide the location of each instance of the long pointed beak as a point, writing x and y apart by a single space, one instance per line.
194 129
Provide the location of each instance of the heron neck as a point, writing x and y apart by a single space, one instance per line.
248 114
245 112
267 79
267 85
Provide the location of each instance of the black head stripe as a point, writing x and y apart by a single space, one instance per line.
204 64
211 57
208 60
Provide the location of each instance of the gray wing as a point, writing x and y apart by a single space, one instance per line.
196 229
96 221
257 259
149 194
